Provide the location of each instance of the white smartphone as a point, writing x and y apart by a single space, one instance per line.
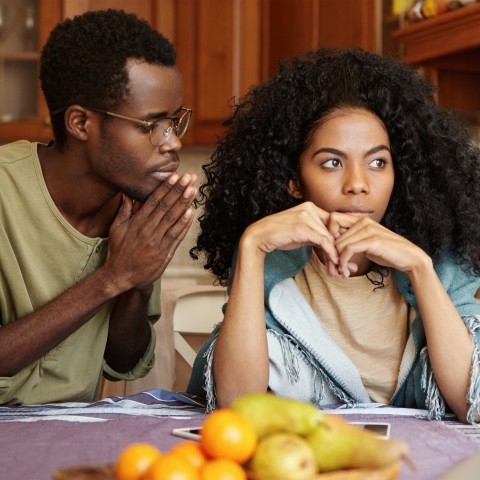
382 430
192 433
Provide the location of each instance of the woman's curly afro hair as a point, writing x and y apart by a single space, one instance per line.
84 60
435 202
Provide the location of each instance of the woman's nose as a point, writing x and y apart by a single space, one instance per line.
356 181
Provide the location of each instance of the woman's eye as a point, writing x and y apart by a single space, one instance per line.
332 163
378 163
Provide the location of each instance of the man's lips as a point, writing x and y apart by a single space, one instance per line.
164 172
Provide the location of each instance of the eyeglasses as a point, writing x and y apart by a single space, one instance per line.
159 130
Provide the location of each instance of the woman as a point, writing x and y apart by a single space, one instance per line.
349 203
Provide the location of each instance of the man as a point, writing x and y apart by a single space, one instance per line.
89 223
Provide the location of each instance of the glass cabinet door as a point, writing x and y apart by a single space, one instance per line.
24 26
18 59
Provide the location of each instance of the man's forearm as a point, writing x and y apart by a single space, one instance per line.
128 332
27 339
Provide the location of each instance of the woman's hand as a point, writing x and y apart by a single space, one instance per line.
378 244
293 228
340 240
302 225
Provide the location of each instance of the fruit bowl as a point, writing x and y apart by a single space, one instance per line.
386 473
105 472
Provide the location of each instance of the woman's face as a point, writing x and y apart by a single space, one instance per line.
347 167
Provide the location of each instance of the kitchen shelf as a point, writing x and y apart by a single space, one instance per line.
448 34
447 50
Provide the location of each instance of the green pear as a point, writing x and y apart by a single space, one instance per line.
283 456
340 445
270 414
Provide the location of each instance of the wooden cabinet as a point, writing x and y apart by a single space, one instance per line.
291 27
447 49
226 46
219 53
223 47
159 13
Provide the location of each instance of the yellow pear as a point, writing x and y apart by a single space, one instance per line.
270 413
283 456
340 445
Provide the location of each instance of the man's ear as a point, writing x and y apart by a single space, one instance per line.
294 189
76 122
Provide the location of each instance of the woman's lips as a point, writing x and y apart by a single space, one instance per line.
357 212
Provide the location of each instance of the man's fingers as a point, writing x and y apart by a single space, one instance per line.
171 200
172 238
180 229
124 212
136 207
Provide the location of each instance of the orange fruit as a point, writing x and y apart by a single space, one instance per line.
228 434
222 469
190 451
134 460
172 467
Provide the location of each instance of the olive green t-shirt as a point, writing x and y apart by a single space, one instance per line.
42 255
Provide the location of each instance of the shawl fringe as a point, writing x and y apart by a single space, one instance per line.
434 400
208 375
292 352
473 395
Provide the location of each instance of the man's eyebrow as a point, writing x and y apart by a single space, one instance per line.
158 115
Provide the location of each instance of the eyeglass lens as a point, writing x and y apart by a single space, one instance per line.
162 129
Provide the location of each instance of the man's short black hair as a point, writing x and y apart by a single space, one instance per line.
84 60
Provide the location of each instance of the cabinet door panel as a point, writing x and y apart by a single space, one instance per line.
144 8
214 48
347 24
218 47
292 27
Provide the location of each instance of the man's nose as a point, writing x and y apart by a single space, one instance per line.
173 143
